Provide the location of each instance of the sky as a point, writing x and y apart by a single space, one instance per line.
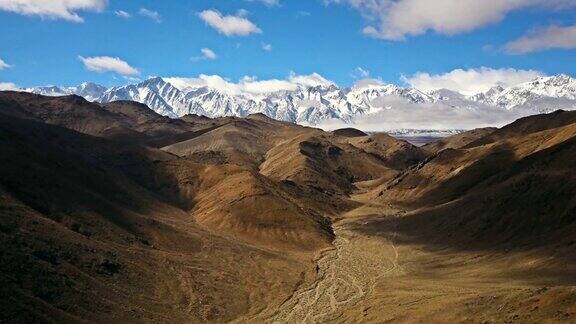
467 45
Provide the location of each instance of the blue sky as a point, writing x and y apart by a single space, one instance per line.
309 36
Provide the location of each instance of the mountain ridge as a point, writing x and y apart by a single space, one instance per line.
197 220
311 103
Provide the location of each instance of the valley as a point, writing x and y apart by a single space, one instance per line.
115 213
288 162
374 278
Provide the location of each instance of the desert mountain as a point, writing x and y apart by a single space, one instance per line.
504 186
458 140
85 190
113 212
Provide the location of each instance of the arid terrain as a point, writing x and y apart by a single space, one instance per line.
113 213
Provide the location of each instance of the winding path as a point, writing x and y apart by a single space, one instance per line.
346 275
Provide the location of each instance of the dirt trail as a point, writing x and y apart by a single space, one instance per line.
373 279
346 275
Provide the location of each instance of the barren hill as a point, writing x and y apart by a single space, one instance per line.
114 213
459 140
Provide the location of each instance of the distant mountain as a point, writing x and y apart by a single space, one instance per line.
311 103
90 91
544 94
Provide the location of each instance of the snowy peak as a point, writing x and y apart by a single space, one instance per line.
558 86
311 99
90 91
543 90
558 80
48 91
445 94
365 92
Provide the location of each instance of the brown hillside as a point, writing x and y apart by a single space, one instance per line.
349 132
113 213
529 125
459 140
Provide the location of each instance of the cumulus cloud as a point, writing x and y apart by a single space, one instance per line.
311 80
229 25
122 14
368 83
4 86
4 65
252 85
107 63
154 15
470 81
267 47
552 37
249 85
397 114
53 9
212 81
397 19
207 54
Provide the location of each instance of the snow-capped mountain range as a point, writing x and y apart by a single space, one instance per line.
313 102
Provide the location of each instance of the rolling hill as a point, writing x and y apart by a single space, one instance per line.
115 213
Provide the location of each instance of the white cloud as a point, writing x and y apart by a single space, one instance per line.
4 65
368 83
249 85
397 19
398 114
254 86
311 80
229 25
53 9
267 47
552 37
242 12
122 14
154 15
212 81
268 3
208 54
360 73
4 86
107 63
470 81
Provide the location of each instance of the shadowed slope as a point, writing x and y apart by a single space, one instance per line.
249 206
253 218
529 125
515 192
85 237
349 132
83 216
458 141
239 141
321 162
396 154
122 120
